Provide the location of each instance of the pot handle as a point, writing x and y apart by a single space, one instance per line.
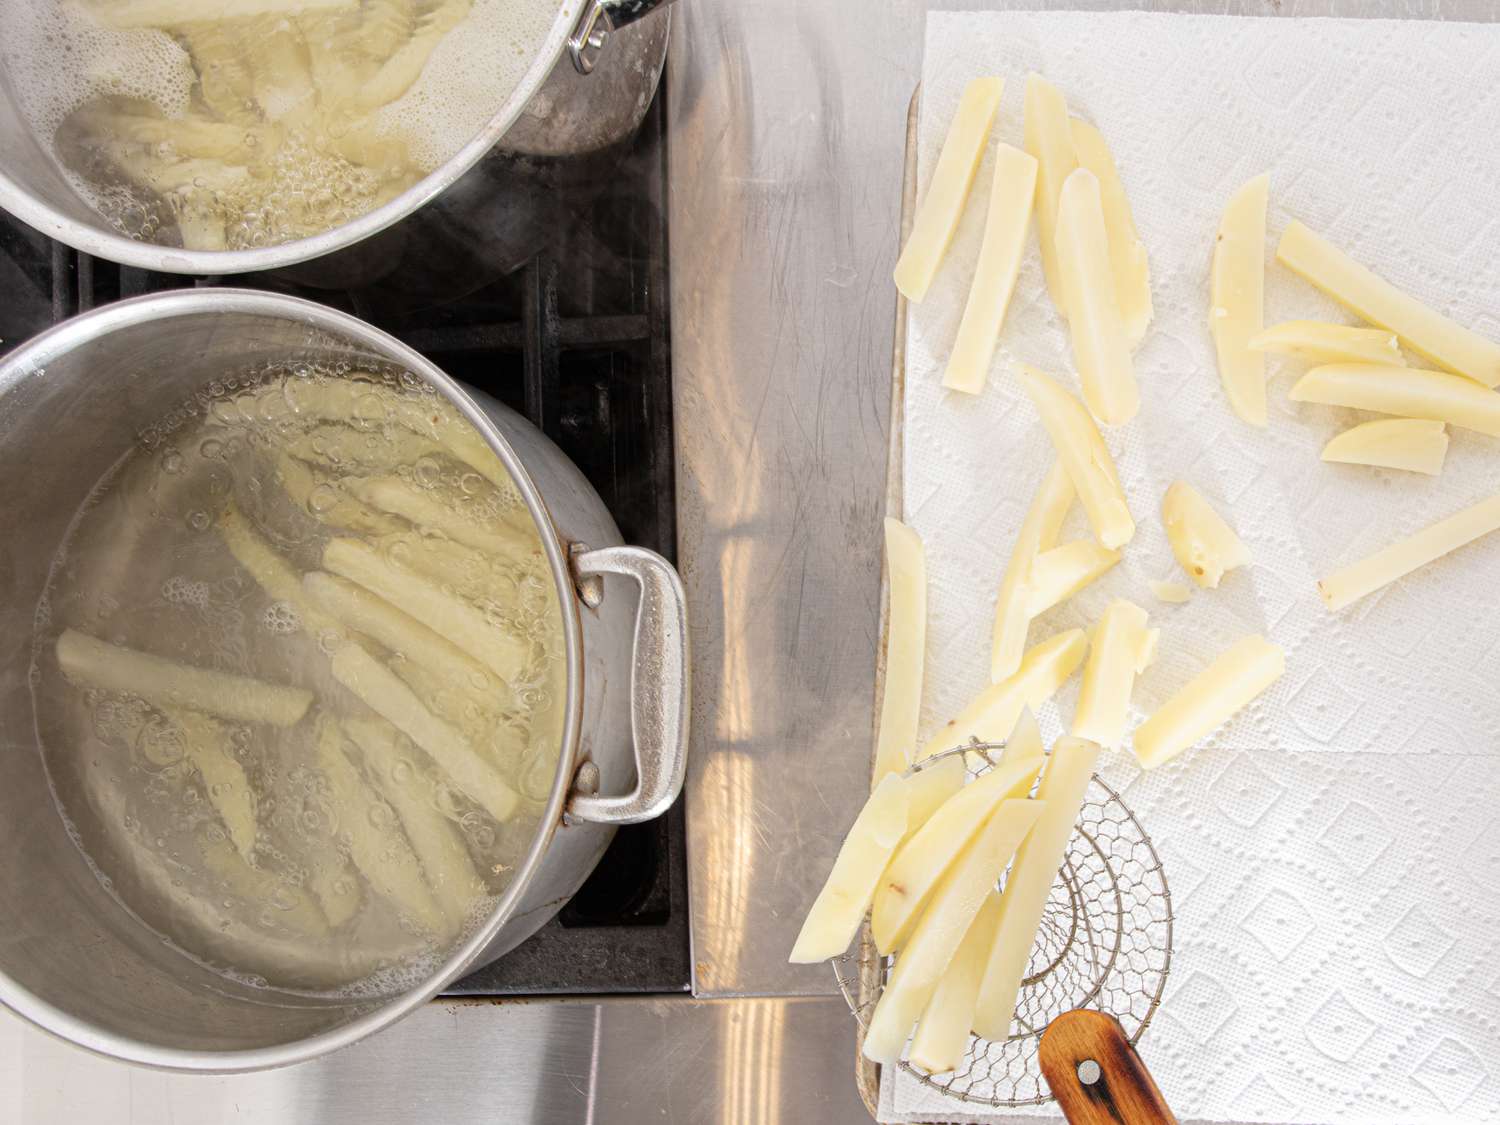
659 687
599 18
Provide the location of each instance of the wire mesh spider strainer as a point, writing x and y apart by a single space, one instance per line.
1105 942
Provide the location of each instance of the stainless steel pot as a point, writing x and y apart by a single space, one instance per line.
71 959
589 85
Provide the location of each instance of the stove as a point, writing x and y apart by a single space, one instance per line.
577 340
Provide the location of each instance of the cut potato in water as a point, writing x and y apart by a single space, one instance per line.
840 906
906 643
1061 572
1417 445
1023 900
1215 694
1048 136
922 860
941 929
206 744
1408 392
163 682
1330 343
1082 452
1013 608
1013 187
1101 348
1423 329
1127 254
1237 299
943 1032
993 713
1123 647
1348 585
1205 546
943 203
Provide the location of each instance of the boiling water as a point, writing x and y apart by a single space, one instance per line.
325 845
239 131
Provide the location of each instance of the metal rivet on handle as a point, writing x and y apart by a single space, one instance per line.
1088 1072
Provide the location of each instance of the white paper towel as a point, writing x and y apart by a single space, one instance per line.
1307 986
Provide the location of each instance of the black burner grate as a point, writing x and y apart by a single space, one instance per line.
577 340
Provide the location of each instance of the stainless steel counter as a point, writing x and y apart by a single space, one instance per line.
786 150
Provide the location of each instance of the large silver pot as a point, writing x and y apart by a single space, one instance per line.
556 137
71 959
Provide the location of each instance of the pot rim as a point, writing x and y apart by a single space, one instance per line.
97 239
31 359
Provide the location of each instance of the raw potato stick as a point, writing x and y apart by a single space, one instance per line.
841 904
1123 647
1048 137
383 692
923 859
943 1031
943 204
163 682
1082 451
992 715
1404 391
396 496
327 503
942 927
1240 674
1414 444
205 743
929 788
1204 545
1060 573
1330 343
1127 254
272 573
1025 741
1237 302
375 843
1346 586
1012 190
1101 349
906 631
1424 330
503 653
1064 783
1013 608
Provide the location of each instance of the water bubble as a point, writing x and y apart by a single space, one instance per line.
171 461
322 498
199 520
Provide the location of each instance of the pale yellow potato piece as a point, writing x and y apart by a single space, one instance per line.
1060 573
369 829
272 573
503 653
841 904
1127 254
378 688
205 743
166 683
992 715
1414 444
1173 593
1101 349
1330 343
1013 612
929 788
1048 137
327 503
1205 546
1408 392
1024 898
1013 187
906 633
943 1031
1025 741
1237 676
922 860
1122 648
396 496
1082 451
358 609
1424 330
943 925
1348 585
943 203
1237 286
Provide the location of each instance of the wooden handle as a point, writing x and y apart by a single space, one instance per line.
1095 1074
